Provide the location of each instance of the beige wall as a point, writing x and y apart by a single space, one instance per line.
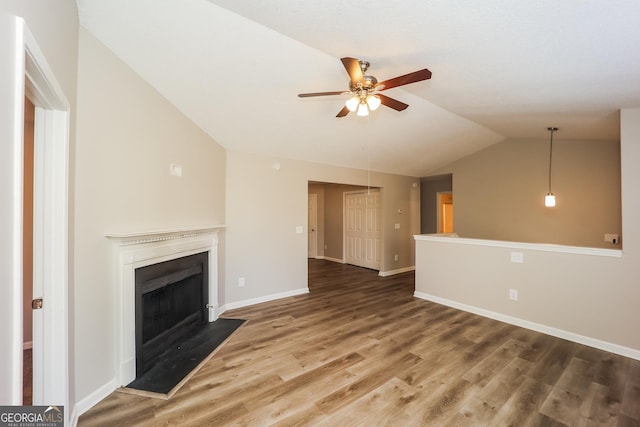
589 296
265 205
54 26
127 136
499 192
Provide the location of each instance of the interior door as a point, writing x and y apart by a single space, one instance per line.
312 226
362 229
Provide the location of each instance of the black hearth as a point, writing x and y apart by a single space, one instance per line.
171 299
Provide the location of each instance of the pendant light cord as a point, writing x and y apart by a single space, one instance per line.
551 154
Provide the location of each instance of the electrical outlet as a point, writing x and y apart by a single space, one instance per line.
395 257
241 282
611 238
397 226
513 294
517 257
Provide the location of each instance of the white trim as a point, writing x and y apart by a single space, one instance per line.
149 236
27 345
397 271
328 258
15 219
543 247
94 398
559 333
266 298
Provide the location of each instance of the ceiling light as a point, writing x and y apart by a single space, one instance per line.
362 109
352 103
373 102
550 198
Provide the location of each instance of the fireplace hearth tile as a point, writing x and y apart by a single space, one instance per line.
179 362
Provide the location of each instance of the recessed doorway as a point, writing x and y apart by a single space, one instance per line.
445 212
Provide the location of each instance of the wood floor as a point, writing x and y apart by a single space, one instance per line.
360 350
27 377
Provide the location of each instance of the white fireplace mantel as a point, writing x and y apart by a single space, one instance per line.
135 250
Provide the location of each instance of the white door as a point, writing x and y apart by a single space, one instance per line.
312 226
362 229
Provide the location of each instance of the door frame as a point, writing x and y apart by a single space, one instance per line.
36 80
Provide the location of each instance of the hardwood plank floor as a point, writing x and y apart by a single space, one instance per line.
360 350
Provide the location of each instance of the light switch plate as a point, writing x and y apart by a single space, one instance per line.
175 170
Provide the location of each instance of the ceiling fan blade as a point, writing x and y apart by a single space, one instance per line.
343 112
392 103
307 95
406 79
353 68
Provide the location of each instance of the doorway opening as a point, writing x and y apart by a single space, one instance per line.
312 226
445 212
327 240
27 252
430 206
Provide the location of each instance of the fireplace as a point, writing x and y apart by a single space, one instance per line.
133 252
171 299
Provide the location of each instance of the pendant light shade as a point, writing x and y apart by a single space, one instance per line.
550 198
352 103
362 109
373 102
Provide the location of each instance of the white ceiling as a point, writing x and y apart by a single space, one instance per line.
501 69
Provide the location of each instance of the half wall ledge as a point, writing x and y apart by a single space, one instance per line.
544 247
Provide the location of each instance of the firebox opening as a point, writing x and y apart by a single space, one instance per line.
171 299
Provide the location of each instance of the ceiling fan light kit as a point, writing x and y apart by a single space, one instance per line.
364 90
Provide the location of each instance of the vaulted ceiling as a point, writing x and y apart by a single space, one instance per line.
501 69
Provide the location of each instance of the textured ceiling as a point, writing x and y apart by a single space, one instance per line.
501 69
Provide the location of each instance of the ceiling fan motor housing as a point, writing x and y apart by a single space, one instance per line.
368 83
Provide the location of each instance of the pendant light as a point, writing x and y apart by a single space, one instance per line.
550 198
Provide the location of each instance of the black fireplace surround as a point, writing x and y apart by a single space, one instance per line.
171 300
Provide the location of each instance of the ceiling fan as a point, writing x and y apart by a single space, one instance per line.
365 89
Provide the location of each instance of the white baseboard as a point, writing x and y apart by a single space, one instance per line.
328 258
27 345
266 298
91 400
398 271
548 330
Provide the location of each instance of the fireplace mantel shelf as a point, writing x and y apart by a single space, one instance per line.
158 235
